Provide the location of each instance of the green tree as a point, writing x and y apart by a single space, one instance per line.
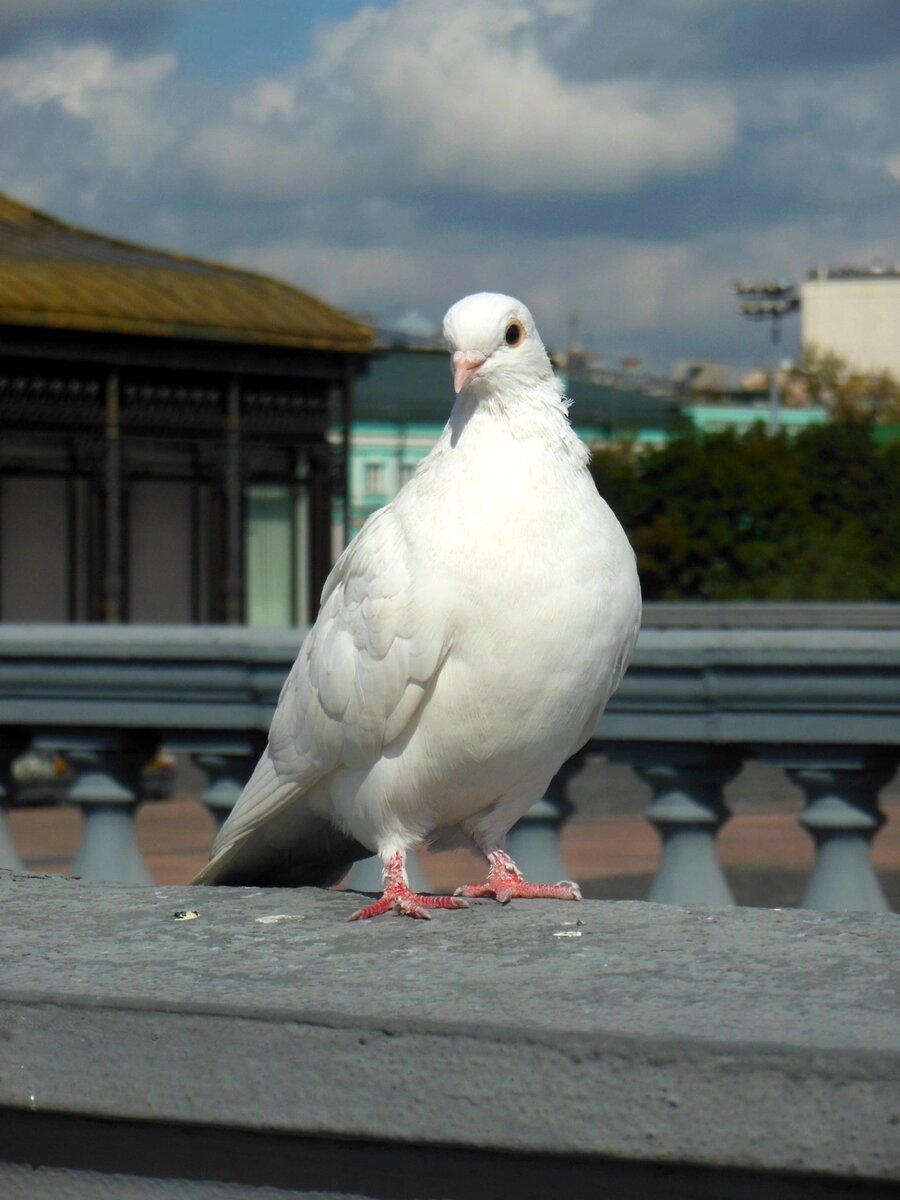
730 516
826 379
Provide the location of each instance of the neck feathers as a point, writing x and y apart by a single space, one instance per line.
536 410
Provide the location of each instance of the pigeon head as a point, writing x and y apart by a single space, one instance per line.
494 344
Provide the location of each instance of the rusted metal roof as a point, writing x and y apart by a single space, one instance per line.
55 275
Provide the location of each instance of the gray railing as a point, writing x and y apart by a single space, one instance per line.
814 690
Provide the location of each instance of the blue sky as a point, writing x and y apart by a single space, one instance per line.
622 160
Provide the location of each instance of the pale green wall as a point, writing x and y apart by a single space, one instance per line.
712 418
276 550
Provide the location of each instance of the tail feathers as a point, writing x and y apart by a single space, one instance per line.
264 794
319 856
273 838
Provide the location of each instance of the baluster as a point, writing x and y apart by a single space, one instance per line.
107 779
12 743
534 841
9 856
842 817
687 811
228 766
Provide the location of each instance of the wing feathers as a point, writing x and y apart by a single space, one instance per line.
351 683
358 682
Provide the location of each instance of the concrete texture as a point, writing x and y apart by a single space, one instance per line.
721 1039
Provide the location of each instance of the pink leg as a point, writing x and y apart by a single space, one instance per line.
505 883
399 899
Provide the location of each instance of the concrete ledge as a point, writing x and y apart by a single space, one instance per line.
755 1040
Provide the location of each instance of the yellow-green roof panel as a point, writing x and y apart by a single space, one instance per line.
54 275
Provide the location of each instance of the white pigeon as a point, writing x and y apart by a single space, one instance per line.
467 643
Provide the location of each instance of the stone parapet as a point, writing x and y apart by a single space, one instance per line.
609 1039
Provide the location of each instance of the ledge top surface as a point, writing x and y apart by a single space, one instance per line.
733 1038
738 977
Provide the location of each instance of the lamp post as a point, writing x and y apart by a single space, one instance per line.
769 301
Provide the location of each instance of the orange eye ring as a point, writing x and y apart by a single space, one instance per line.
514 333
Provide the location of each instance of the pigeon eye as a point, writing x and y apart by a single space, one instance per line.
514 333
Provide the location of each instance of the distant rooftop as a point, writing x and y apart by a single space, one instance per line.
852 272
413 385
55 275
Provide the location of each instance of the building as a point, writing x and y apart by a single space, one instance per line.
167 444
693 376
854 313
740 416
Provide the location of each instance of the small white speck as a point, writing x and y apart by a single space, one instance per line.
186 914
277 918
567 933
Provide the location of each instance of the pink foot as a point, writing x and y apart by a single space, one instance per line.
505 883
520 889
407 904
400 899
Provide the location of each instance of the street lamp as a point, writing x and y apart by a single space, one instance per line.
769 301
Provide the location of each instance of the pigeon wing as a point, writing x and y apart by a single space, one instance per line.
358 681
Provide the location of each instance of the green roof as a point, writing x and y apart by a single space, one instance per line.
413 386
54 275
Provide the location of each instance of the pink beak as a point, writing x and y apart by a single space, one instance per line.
465 364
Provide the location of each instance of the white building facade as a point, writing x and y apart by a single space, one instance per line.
856 315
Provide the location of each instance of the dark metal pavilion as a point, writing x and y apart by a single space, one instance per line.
163 420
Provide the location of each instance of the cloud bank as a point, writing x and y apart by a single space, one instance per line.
621 160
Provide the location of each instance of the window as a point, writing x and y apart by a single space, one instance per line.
33 526
276 555
407 470
374 479
161 552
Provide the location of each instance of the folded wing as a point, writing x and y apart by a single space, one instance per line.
359 680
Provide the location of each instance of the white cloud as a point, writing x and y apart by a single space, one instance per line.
425 94
109 96
426 149
657 300
414 324
615 285
266 99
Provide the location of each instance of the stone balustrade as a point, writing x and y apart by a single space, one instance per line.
813 689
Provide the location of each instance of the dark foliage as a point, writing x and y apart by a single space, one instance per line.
747 516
